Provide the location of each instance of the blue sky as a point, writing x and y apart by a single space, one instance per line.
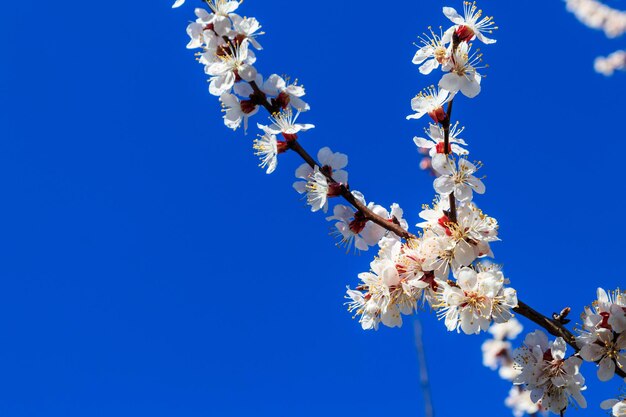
149 267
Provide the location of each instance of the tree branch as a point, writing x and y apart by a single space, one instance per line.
554 327
447 150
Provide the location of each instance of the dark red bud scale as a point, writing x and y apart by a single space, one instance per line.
358 224
290 137
464 33
282 100
438 115
443 222
429 278
441 148
239 39
282 146
222 51
605 321
547 356
247 106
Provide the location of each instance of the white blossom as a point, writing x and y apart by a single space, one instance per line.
606 348
602 338
519 401
462 75
617 407
608 65
354 229
457 179
432 53
220 19
436 218
267 148
443 253
195 31
178 3
235 65
474 301
471 25
286 94
547 374
285 123
397 215
497 352
387 291
332 164
247 28
236 111
436 144
430 102
609 311
317 191
508 330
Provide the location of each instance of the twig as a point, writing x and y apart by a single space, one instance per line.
447 150
261 99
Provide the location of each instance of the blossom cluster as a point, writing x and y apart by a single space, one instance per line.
598 15
602 337
550 377
227 42
455 233
498 355
498 352
608 65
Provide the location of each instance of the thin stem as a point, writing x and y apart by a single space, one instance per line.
350 198
552 326
447 149
261 99
424 379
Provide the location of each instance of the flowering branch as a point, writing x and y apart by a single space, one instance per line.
260 98
447 151
443 265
